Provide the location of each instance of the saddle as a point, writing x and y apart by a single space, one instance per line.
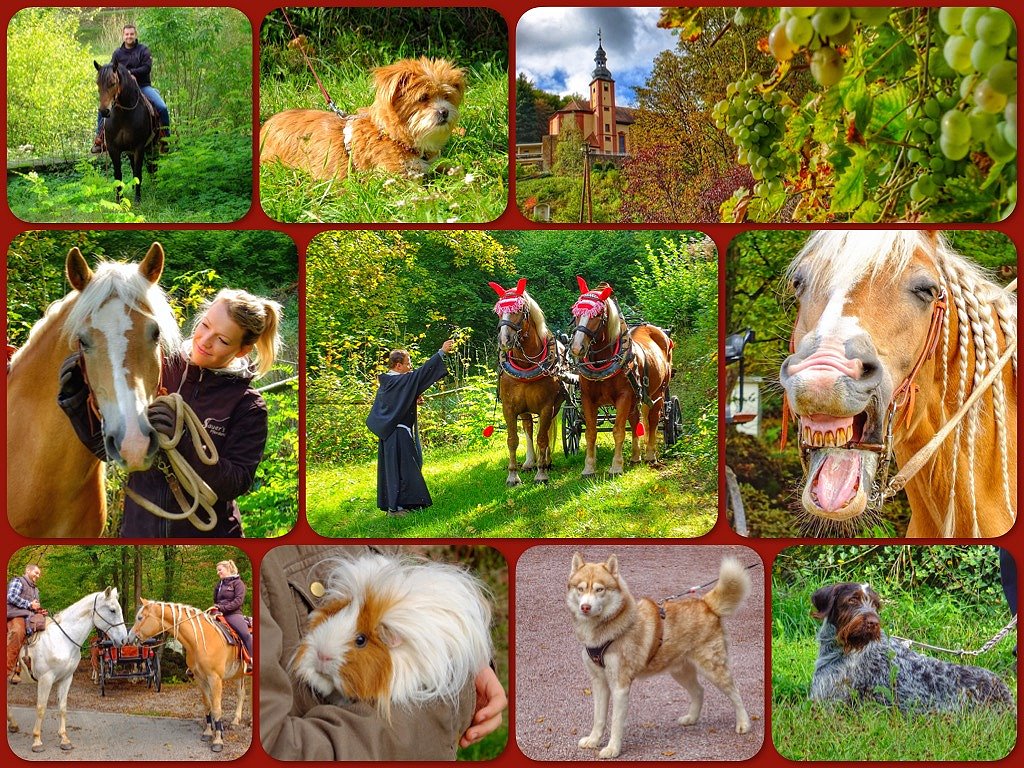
232 637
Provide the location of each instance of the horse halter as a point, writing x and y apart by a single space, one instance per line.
110 624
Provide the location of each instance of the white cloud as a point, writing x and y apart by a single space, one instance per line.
555 47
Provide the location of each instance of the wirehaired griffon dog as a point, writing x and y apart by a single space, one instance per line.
625 639
411 119
857 660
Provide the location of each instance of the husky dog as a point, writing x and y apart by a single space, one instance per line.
625 638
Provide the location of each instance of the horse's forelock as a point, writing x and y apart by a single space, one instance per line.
124 282
834 260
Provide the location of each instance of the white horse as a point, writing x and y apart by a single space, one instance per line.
56 652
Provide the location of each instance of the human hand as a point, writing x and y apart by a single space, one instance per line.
35 605
447 346
491 701
72 380
162 418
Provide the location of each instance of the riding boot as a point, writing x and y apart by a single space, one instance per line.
163 141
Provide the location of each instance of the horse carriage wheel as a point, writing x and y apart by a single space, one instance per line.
672 421
103 675
572 429
154 673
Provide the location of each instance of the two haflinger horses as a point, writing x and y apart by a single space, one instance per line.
619 365
209 653
51 657
120 321
903 350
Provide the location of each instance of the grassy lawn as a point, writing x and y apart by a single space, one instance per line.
468 184
871 731
205 179
471 500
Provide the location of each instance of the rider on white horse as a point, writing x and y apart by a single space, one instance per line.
22 605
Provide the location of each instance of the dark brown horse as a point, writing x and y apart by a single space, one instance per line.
128 124
528 382
629 368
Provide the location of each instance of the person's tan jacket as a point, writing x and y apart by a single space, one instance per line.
294 724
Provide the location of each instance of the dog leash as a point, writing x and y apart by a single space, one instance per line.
302 49
692 591
906 643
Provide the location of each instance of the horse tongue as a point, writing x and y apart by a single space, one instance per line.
838 480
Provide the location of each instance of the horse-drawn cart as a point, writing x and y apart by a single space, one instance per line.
573 425
129 662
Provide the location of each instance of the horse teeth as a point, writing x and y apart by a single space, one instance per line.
830 438
818 440
842 436
807 435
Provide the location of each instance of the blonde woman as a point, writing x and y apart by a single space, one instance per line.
228 598
234 340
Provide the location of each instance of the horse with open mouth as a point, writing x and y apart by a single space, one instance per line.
903 349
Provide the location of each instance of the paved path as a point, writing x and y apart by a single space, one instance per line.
553 704
104 736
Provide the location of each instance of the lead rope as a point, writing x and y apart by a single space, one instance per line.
182 477
302 49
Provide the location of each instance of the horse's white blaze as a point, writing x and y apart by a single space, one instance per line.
114 321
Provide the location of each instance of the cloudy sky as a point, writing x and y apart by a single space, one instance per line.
555 48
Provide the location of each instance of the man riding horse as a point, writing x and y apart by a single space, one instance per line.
137 59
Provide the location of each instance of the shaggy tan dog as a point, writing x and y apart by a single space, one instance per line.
416 107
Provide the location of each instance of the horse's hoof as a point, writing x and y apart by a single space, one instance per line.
542 480
513 483
38 747
206 737
216 747
67 747
12 728
591 473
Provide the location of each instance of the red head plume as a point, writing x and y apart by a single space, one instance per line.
517 291
604 294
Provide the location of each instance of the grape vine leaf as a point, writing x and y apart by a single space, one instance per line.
848 193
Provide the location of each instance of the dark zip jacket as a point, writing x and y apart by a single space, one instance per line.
137 60
235 416
229 594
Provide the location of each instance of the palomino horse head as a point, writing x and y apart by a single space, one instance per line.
517 312
871 332
121 322
108 618
592 312
109 79
148 622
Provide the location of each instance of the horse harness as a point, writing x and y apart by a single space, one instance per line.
622 359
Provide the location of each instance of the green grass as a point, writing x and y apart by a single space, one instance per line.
871 731
471 500
205 179
468 184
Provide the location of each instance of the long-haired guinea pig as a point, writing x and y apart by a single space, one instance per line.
395 631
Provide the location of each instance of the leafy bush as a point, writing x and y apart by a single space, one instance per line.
51 91
271 507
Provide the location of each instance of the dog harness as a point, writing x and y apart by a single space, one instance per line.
596 653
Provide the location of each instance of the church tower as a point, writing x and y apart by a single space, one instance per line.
602 102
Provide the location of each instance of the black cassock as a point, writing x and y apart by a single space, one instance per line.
393 420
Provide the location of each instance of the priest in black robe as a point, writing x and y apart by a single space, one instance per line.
400 483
